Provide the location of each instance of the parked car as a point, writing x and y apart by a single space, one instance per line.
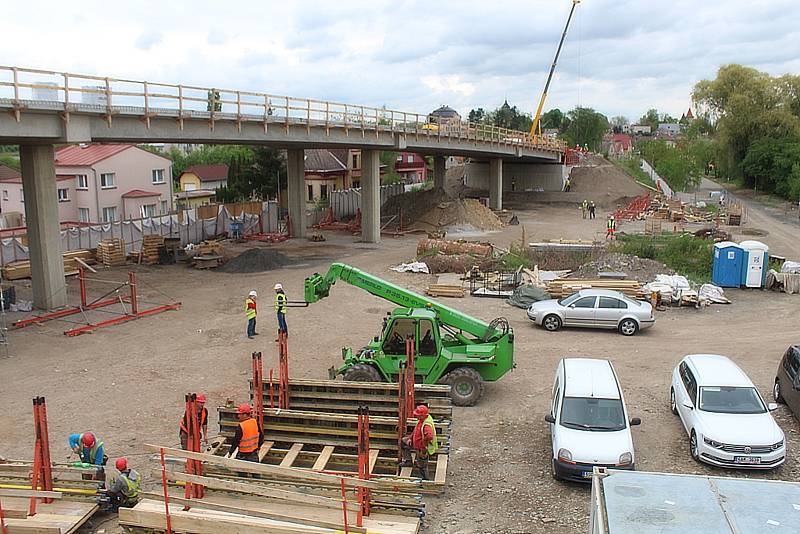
594 308
588 419
724 415
786 389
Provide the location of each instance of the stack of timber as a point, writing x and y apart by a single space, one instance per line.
151 249
447 285
58 517
341 397
69 480
111 252
209 248
652 226
569 245
72 261
563 287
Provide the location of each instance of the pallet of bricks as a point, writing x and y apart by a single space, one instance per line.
111 252
22 269
151 249
564 287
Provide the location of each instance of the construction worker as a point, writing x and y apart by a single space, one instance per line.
422 441
280 309
124 489
592 209
248 437
567 185
251 311
202 421
584 208
611 226
88 449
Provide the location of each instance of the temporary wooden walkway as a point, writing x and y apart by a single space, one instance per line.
59 517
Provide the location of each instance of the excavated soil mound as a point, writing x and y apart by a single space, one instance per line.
458 263
641 269
255 260
605 183
433 210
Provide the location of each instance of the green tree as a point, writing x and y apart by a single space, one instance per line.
476 115
553 118
585 126
650 119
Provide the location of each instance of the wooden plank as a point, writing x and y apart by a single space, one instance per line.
262 491
373 457
291 456
205 504
441 469
29 493
85 265
265 469
23 526
323 458
264 450
406 472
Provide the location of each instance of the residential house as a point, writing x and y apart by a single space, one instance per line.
669 129
328 170
194 199
445 115
103 183
617 145
641 129
205 177
412 167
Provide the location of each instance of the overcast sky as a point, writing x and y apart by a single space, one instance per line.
620 56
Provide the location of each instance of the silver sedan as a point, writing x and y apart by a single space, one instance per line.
594 308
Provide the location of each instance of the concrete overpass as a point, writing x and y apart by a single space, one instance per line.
39 109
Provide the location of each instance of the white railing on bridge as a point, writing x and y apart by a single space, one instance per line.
22 88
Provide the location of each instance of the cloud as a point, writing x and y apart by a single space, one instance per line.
148 39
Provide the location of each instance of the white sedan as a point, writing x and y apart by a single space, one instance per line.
726 419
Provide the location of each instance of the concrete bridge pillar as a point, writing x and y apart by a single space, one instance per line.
296 191
496 184
41 216
370 196
439 172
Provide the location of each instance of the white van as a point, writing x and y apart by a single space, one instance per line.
588 420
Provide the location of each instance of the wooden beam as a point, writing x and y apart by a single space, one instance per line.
24 526
441 469
194 503
291 456
264 450
373 457
262 491
405 472
275 470
84 264
323 458
30 493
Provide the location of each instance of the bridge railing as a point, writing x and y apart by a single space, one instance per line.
22 88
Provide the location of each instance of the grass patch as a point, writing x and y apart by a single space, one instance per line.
547 261
632 166
685 254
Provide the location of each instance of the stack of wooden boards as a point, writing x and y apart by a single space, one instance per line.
563 287
151 249
447 285
22 269
209 248
111 252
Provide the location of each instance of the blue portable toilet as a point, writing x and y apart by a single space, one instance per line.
728 265
754 271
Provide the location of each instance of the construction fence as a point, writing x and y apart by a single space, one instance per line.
661 184
190 226
346 202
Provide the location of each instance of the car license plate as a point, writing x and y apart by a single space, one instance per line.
751 460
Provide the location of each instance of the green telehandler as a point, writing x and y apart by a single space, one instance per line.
450 347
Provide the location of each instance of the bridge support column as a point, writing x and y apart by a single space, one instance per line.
439 172
41 217
296 191
496 184
370 196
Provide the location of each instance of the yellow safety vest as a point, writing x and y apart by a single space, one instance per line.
248 311
280 302
133 487
433 446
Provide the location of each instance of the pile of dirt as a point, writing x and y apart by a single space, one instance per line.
433 210
255 260
604 183
458 263
641 269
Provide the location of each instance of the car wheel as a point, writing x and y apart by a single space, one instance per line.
673 406
551 323
776 392
466 386
693 447
362 372
628 327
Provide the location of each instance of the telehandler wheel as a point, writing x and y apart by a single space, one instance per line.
362 372
466 386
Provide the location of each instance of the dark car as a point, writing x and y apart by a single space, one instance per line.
787 381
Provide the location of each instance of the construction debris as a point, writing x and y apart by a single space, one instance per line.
413 267
524 296
634 267
255 260
563 287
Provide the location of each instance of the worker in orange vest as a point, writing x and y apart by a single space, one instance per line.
248 438
202 421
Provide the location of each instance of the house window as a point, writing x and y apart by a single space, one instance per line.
107 180
149 210
164 207
83 214
82 181
399 158
110 214
158 176
5 195
323 191
63 195
310 193
355 161
188 186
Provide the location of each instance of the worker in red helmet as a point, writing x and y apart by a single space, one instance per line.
421 441
125 488
248 437
202 421
88 448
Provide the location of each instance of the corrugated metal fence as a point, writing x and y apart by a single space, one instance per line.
346 202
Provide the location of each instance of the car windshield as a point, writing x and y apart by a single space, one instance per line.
722 399
592 414
566 301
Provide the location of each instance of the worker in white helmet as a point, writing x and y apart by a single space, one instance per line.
280 309
250 311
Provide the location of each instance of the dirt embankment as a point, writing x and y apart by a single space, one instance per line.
604 183
434 210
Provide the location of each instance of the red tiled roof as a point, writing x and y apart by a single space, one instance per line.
8 174
623 139
138 193
86 155
689 114
209 173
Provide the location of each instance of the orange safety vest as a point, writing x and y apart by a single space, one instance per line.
202 420
249 441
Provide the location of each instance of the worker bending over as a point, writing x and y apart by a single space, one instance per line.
280 309
202 422
250 312
124 490
247 438
422 441
88 448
